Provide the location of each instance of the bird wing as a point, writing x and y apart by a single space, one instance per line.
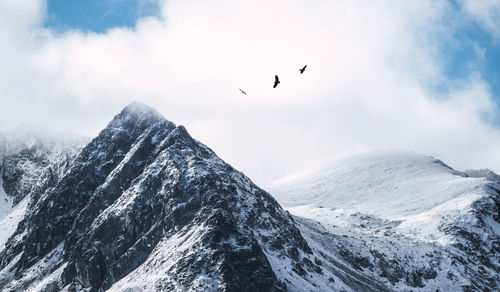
276 79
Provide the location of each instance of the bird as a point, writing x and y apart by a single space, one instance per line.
276 81
242 91
303 69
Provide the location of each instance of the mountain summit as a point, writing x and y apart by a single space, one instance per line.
144 206
137 113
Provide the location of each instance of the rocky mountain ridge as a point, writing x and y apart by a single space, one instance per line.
144 196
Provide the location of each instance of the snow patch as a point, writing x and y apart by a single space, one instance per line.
8 224
5 202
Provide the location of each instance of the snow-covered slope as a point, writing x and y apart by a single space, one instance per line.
408 218
9 222
6 203
387 184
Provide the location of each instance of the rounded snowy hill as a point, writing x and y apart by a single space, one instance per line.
401 217
389 184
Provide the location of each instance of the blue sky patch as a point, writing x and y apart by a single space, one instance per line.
97 15
477 51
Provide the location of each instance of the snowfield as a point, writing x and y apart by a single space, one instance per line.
404 206
413 189
386 184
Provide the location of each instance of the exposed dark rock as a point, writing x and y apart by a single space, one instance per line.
142 182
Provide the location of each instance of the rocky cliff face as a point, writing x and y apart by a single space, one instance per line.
146 207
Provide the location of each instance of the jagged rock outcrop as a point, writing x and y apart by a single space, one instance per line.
145 206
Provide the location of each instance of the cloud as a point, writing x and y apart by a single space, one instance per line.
486 13
372 67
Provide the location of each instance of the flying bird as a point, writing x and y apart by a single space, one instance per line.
276 81
303 69
242 91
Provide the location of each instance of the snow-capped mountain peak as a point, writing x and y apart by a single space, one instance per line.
145 206
137 113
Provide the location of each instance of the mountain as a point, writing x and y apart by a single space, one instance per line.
145 207
409 220
31 161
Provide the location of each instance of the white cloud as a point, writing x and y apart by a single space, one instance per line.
370 67
485 12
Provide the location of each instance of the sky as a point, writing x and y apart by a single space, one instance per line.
97 15
412 75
